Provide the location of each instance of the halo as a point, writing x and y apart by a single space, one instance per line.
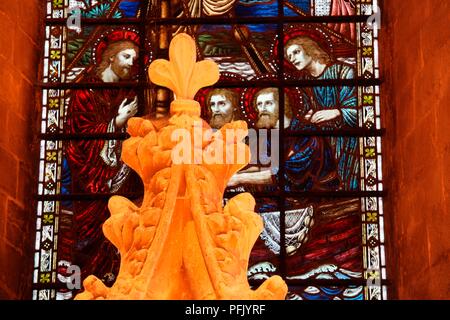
248 110
119 34
202 94
316 33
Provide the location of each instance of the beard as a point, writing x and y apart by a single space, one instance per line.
121 71
267 121
219 120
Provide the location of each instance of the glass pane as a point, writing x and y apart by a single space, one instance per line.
95 166
326 292
332 107
93 111
54 53
327 239
327 7
83 244
264 259
223 105
256 8
94 8
88 52
241 51
84 55
334 52
373 245
86 166
322 163
324 108
344 52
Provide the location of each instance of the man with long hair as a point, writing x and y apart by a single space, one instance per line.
95 165
309 164
222 106
328 107
266 102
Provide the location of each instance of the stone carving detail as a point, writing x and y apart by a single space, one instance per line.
181 243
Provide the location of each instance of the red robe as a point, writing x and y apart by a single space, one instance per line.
343 8
93 168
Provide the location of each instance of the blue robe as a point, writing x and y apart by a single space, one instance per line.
309 166
344 98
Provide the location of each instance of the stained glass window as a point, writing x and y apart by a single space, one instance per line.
307 68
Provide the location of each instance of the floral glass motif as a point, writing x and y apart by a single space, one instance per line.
331 219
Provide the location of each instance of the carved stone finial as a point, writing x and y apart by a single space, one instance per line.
183 75
181 243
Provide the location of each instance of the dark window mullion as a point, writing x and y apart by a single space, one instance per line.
142 79
292 284
215 20
356 132
300 283
281 151
83 136
90 85
257 195
222 84
315 194
86 196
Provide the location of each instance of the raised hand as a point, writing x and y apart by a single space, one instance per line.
126 111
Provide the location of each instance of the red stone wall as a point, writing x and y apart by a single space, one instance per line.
20 46
417 146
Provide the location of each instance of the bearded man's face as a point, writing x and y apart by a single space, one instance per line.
122 63
221 111
267 108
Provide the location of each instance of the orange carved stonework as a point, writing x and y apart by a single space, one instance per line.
181 243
